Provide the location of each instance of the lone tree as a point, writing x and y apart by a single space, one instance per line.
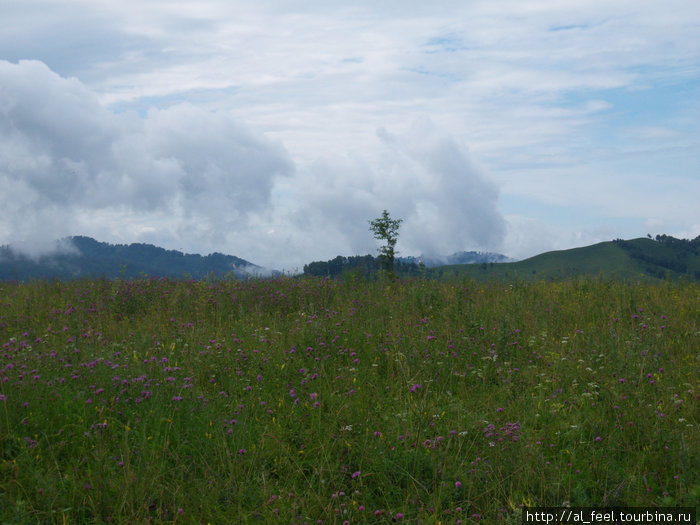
386 229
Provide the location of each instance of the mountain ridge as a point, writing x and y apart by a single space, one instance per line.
84 257
644 258
463 257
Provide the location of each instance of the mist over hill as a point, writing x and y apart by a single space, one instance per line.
431 261
663 257
85 257
366 265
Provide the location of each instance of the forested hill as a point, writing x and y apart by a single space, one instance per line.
360 266
366 265
680 256
663 257
92 258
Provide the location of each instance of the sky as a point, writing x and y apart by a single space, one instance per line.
276 130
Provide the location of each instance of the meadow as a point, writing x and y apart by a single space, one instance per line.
344 401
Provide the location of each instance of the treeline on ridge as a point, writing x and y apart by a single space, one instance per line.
89 258
360 266
678 255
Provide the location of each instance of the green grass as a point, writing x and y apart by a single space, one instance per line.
292 401
605 260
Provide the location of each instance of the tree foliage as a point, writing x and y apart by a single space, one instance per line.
386 229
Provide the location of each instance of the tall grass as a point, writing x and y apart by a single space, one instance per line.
318 401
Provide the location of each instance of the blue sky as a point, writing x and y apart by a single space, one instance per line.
275 130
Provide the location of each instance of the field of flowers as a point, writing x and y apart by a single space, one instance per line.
319 401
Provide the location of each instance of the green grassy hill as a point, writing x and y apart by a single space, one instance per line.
641 259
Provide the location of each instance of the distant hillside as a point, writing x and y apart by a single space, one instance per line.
359 265
367 265
431 261
636 259
664 257
99 259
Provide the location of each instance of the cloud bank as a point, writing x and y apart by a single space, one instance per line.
276 130
68 165
188 175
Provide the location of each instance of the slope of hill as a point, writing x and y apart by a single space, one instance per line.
359 265
99 259
431 261
632 260
367 265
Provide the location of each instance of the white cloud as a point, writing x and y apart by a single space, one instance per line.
174 124
64 156
423 176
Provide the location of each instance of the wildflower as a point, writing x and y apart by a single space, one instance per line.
458 484
241 451
355 474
